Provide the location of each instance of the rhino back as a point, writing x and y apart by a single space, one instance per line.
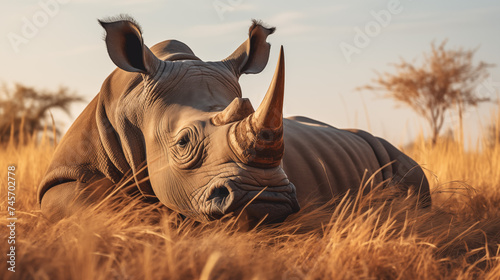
80 155
322 161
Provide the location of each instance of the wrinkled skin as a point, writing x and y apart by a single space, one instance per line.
167 116
189 159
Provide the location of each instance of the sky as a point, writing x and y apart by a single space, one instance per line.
331 49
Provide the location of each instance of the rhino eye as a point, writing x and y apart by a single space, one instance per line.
183 142
188 150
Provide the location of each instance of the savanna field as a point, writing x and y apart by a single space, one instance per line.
376 236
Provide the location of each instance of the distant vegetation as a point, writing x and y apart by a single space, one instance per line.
446 80
26 111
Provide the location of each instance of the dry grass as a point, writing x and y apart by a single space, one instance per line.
363 237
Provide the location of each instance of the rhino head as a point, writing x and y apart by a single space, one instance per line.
208 152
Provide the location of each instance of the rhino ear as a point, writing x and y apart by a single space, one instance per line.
251 57
126 47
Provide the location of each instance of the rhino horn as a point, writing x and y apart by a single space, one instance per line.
239 109
258 139
269 115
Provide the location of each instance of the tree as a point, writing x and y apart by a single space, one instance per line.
25 111
447 79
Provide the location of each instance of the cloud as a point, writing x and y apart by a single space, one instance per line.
244 7
290 22
80 50
429 20
287 17
218 29
111 3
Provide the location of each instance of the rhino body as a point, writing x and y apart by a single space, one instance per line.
181 128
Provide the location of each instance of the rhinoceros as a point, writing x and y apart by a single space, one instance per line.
183 130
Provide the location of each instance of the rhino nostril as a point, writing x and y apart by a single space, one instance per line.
219 192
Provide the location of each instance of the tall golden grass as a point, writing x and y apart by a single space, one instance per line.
361 237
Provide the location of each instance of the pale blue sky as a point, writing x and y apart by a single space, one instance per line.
68 49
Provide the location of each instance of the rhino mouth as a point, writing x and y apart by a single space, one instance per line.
269 204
